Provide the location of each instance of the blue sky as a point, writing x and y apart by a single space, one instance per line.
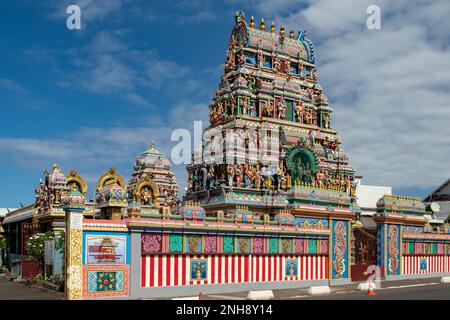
95 98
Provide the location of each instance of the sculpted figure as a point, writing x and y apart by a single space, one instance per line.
276 65
280 175
244 106
258 177
282 109
230 174
211 175
238 172
252 109
241 58
250 175
268 110
311 139
299 112
308 116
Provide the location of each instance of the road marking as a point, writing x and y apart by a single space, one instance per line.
225 297
411 285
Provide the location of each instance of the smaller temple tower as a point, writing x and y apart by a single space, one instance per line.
152 183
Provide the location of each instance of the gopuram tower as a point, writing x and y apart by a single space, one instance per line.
270 90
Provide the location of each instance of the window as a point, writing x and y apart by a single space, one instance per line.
267 62
306 72
251 58
294 68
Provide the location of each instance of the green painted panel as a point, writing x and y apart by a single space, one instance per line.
312 246
175 243
273 245
228 244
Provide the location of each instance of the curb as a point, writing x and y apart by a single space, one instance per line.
56 293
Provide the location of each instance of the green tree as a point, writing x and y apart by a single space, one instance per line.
34 246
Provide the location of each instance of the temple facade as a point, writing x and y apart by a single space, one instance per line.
270 201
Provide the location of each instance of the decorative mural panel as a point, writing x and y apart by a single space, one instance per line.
312 246
393 250
105 281
210 244
193 243
243 245
311 223
199 269
176 243
105 248
285 245
222 269
425 264
291 268
273 245
380 244
228 244
323 246
340 253
151 243
258 245
299 246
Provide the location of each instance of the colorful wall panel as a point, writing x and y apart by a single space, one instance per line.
425 264
181 270
393 249
340 249
107 248
159 243
105 281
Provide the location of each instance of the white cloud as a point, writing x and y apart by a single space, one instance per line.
389 88
93 150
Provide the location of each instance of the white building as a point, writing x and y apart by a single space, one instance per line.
367 197
441 196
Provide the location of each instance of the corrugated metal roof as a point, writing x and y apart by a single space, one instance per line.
4 211
18 217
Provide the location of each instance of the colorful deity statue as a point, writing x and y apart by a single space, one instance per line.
238 173
258 177
282 109
281 175
299 112
244 105
308 116
326 120
230 174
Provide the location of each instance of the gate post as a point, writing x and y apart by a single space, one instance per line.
389 246
339 252
73 205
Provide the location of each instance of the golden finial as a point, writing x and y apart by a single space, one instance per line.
152 145
291 34
272 27
252 22
282 31
55 166
262 27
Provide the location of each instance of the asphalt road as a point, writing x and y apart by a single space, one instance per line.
12 290
422 292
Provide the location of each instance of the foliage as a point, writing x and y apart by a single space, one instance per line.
448 219
34 246
3 243
58 280
35 279
60 244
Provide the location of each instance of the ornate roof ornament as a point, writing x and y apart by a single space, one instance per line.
108 178
75 179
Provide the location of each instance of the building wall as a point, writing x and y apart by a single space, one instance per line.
180 270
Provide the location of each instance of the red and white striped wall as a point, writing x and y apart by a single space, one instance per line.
174 270
435 264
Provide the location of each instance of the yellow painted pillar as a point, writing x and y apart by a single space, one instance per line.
73 207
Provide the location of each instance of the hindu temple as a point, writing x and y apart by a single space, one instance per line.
286 218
